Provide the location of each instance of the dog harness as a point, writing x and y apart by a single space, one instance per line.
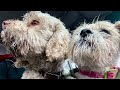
58 75
66 68
110 73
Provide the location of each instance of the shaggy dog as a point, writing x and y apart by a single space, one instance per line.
39 42
95 49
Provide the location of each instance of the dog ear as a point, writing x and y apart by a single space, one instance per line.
57 46
117 25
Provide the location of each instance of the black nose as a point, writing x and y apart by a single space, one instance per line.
85 32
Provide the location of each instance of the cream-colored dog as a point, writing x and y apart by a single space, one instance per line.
95 49
39 41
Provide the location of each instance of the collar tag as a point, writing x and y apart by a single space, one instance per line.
111 73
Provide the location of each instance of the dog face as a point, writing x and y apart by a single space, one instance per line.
96 44
37 33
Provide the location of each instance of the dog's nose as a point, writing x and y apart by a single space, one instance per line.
85 32
6 23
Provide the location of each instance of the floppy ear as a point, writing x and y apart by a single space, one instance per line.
57 46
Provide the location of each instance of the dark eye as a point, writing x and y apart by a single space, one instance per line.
105 31
34 22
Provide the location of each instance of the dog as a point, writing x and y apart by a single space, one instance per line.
95 48
39 42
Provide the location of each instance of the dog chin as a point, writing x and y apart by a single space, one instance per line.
86 42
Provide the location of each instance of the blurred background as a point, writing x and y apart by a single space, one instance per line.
4 15
70 18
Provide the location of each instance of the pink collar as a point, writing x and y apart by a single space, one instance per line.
91 74
110 74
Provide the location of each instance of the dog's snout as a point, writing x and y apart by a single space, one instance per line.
85 32
6 22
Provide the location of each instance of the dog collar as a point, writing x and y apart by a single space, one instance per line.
110 73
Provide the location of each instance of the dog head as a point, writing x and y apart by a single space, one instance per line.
96 44
37 33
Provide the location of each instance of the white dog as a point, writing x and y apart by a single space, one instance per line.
39 41
95 49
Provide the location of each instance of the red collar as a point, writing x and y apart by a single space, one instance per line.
6 56
110 74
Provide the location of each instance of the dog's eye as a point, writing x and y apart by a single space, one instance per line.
34 22
105 31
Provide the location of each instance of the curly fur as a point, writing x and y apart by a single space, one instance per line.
37 47
97 50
